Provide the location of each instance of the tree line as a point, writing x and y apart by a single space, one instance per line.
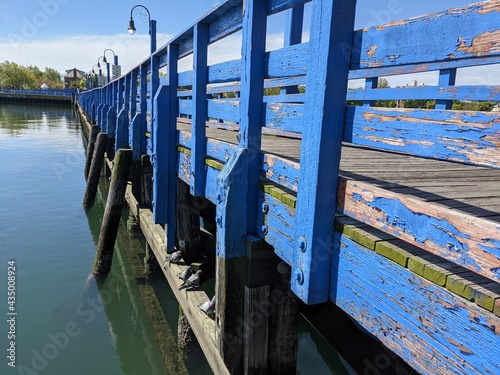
18 77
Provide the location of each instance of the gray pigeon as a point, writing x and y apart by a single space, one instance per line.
185 275
193 282
208 308
174 258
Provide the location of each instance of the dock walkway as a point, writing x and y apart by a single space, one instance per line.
392 214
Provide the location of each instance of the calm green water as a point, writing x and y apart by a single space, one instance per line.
66 323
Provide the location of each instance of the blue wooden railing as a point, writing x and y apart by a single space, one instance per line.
49 92
141 111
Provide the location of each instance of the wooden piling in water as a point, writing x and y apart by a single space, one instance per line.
95 170
90 149
112 212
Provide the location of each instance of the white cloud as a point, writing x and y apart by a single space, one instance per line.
80 51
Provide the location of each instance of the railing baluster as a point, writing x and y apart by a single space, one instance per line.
199 117
322 132
447 77
293 35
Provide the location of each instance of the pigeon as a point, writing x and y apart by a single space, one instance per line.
208 308
193 282
185 275
174 258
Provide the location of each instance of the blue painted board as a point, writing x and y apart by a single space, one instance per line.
464 136
432 329
199 107
471 31
477 92
252 90
160 159
322 135
450 234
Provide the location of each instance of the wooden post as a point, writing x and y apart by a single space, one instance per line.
95 170
146 180
322 133
112 212
198 123
188 224
231 245
283 327
271 311
111 124
90 149
256 331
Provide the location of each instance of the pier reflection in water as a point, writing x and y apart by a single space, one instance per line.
67 321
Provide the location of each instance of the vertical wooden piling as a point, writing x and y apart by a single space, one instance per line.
283 328
112 212
188 224
256 331
90 149
95 170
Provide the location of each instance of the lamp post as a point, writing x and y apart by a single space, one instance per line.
152 24
115 60
99 66
96 84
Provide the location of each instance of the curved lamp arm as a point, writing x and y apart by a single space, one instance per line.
104 54
131 25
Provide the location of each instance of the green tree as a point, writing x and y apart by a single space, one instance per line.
14 76
52 78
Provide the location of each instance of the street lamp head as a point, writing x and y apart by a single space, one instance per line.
104 60
131 26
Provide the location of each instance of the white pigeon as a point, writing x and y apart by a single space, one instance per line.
208 308
193 282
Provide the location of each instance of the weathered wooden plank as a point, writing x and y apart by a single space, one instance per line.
473 243
171 144
257 304
143 103
199 144
473 32
285 62
470 137
277 224
160 159
386 71
427 326
252 89
476 92
201 324
231 220
322 137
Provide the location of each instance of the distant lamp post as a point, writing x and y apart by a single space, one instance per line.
96 83
152 24
115 60
99 66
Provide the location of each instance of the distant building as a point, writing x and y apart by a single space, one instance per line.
45 87
72 75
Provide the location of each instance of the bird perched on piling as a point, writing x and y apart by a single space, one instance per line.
194 281
185 275
174 258
208 308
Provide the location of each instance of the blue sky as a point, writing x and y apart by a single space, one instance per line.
63 34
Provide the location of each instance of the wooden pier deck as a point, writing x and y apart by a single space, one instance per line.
392 214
